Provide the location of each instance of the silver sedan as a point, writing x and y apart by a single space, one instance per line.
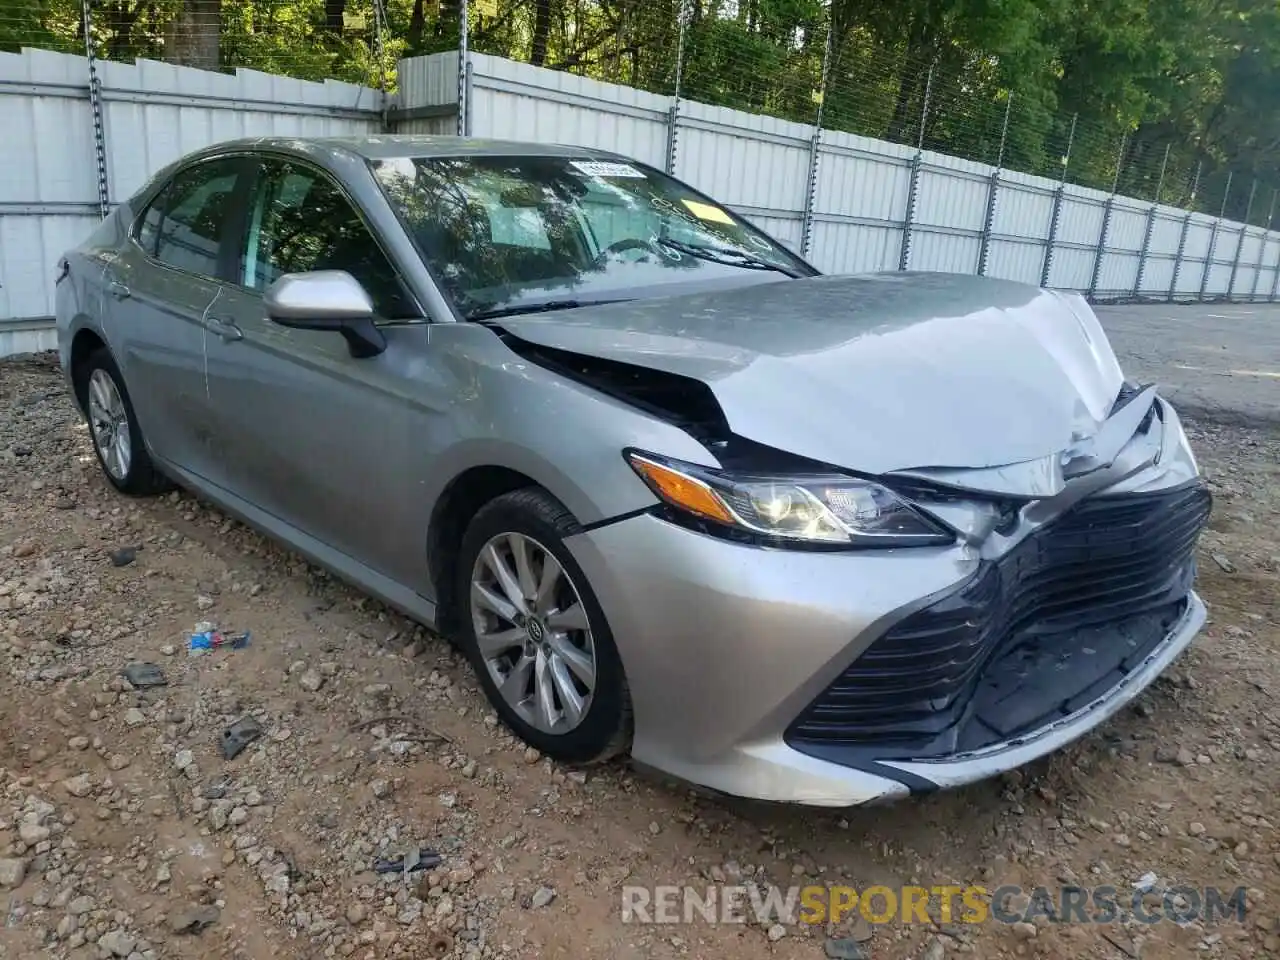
795 537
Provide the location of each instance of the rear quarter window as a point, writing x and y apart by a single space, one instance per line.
147 229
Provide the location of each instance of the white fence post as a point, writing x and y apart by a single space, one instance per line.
464 71
1213 239
993 191
673 115
913 188
1244 231
1151 225
1262 248
1182 236
1108 209
1055 217
1275 277
815 151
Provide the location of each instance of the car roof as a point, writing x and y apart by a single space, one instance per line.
386 146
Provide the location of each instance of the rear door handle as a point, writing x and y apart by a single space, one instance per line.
118 290
226 329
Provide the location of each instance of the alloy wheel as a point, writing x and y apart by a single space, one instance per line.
109 423
533 632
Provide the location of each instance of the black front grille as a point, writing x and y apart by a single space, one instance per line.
1113 572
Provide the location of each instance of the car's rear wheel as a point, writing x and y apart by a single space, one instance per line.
113 425
536 634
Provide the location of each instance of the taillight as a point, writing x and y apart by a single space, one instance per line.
64 269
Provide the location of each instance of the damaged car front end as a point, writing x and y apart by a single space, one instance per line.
885 595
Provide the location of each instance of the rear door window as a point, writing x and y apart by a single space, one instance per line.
197 210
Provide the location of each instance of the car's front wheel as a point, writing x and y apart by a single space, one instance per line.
113 425
536 634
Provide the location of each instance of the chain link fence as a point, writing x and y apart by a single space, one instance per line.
810 70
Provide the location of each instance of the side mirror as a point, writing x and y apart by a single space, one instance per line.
326 300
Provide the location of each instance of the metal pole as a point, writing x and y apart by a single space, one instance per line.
95 107
673 114
379 52
1244 230
815 151
1107 209
1213 237
1151 225
1182 236
1275 277
1056 216
464 64
1262 250
913 188
993 191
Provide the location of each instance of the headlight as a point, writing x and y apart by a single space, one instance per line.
831 510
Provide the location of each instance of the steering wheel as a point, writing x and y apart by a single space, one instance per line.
622 246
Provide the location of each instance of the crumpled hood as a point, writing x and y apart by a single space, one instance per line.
872 373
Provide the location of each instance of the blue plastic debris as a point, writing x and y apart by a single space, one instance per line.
208 637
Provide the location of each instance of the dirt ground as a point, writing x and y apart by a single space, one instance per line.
124 832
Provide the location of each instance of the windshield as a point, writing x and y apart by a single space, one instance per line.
508 234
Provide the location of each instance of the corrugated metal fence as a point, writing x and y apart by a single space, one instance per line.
856 204
152 113
850 203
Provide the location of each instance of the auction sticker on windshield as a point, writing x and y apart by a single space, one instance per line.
603 168
705 211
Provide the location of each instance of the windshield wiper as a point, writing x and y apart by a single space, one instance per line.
729 256
542 306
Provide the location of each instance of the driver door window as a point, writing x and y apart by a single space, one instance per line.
300 221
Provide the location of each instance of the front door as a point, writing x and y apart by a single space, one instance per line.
315 437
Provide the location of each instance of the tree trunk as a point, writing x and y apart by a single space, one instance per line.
191 39
334 20
909 85
417 24
450 22
118 21
911 80
541 30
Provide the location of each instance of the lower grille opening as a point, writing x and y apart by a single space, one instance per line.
1032 637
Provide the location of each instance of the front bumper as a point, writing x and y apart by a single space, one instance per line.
729 649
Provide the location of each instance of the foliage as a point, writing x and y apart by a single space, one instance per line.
1196 81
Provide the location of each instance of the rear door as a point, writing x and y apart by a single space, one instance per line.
159 288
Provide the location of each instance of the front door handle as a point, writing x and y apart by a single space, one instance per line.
226 329
118 290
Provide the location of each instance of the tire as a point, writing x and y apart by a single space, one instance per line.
95 381
557 649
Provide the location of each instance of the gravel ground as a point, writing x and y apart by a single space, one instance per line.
125 833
